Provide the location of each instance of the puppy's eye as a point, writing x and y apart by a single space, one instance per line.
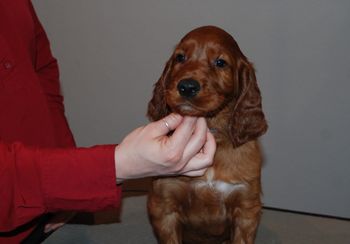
180 58
220 63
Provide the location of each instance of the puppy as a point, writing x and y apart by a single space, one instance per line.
208 76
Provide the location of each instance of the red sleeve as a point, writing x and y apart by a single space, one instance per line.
47 71
36 181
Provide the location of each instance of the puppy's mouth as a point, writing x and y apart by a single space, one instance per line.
188 109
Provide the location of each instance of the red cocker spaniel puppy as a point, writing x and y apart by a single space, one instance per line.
209 76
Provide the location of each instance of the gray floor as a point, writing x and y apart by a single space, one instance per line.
133 227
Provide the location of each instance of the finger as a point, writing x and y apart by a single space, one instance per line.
203 159
58 220
51 227
196 165
163 126
196 173
182 134
197 140
209 147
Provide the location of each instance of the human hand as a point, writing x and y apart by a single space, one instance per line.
149 151
58 220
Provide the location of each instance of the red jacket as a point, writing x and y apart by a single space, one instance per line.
41 171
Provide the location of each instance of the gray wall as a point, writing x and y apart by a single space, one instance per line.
111 53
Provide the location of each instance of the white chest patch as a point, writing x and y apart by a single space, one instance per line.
222 187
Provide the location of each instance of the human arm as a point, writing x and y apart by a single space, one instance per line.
34 181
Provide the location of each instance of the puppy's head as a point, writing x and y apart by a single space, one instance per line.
206 72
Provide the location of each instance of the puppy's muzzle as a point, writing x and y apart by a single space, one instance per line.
188 88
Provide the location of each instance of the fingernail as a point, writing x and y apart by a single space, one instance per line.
191 121
175 116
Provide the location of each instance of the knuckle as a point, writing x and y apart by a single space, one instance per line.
207 161
173 156
202 138
196 173
210 161
178 169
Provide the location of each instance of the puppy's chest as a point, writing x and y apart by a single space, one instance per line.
217 188
210 202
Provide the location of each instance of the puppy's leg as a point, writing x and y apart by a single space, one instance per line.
166 203
167 229
246 220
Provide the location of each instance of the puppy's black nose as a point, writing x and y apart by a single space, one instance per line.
188 88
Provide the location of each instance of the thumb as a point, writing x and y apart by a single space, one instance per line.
163 126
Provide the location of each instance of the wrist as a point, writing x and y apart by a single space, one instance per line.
120 165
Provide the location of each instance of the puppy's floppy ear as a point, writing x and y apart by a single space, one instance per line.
248 120
157 107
